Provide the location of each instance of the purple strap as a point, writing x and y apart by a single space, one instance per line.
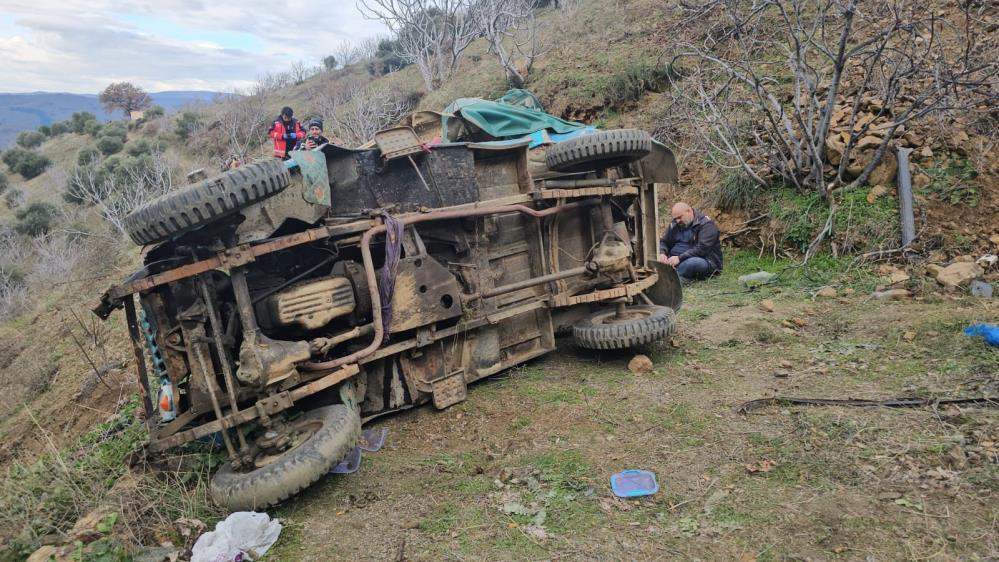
386 281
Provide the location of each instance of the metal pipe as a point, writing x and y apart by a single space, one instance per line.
215 401
140 361
503 289
905 197
230 384
244 304
600 182
369 268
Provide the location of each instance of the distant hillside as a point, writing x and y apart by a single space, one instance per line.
19 112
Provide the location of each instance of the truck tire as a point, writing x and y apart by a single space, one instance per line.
206 201
336 430
641 325
603 149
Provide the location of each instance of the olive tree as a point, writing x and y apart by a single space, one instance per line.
124 96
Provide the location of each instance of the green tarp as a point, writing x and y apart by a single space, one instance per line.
474 119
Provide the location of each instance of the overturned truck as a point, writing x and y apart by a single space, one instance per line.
282 304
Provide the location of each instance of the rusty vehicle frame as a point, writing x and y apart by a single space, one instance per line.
491 264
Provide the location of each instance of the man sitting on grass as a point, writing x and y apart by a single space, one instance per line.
691 244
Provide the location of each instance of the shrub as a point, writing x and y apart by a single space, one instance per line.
14 198
35 219
30 139
115 129
32 165
78 121
109 145
187 123
329 62
58 129
14 156
154 112
88 155
737 192
4 182
93 128
143 146
45 130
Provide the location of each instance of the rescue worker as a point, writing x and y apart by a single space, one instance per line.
691 244
286 132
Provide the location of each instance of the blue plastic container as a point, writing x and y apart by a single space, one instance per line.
634 483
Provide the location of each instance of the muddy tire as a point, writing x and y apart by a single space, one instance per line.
603 149
641 325
296 468
206 201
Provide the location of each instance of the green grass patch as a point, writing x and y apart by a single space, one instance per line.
857 226
442 520
51 494
736 192
952 181
520 423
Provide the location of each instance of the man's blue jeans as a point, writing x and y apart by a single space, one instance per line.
695 268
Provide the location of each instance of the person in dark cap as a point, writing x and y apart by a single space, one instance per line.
286 132
315 137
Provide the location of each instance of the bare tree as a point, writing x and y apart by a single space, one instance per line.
510 28
300 72
13 289
356 113
868 69
432 34
348 53
115 195
239 126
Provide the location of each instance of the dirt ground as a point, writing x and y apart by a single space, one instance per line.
521 470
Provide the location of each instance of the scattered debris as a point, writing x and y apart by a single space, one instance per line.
758 278
634 483
372 440
988 260
767 305
827 292
350 464
892 294
763 466
988 331
640 365
981 289
244 535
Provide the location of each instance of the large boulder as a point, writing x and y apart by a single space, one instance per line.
956 274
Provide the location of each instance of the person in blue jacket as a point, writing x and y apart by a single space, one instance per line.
691 244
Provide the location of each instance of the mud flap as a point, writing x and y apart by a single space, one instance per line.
449 390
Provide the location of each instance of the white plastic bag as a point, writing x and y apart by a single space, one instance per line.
244 535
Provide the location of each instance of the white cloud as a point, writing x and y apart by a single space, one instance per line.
81 46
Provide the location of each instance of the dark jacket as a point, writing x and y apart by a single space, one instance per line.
286 135
704 245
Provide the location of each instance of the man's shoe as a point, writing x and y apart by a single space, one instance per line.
684 281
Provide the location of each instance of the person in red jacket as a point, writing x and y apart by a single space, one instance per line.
286 132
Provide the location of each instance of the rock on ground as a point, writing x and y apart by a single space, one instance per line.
955 274
640 365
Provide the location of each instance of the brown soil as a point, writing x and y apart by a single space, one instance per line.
791 483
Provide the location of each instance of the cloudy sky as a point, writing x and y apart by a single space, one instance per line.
83 45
